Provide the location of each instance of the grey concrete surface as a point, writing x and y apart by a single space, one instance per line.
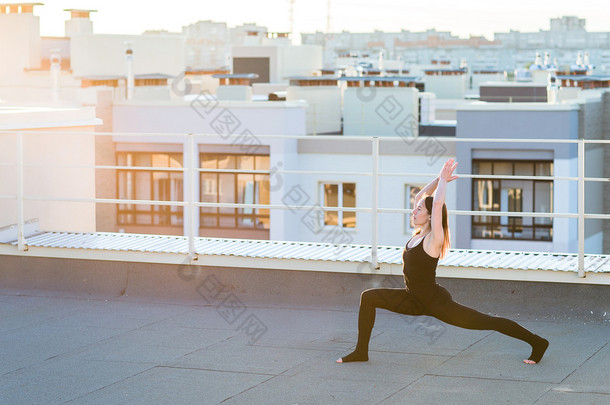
62 347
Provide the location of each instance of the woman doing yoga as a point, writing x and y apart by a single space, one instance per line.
422 296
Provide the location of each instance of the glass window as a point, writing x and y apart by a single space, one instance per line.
149 184
234 188
500 168
331 199
544 169
349 200
340 195
524 169
543 201
512 195
482 168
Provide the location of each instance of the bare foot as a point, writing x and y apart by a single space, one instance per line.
538 349
354 356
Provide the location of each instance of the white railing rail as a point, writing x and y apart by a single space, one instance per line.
191 204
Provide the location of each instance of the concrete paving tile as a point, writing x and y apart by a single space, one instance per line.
58 380
472 391
148 346
27 346
307 320
399 368
235 355
201 318
555 397
592 375
282 390
121 315
165 385
64 349
193 339
299 340
28 311
281 322
499 356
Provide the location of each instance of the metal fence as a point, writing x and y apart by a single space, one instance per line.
191 168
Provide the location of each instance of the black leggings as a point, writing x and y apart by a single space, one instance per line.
445 309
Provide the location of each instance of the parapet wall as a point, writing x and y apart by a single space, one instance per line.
271 287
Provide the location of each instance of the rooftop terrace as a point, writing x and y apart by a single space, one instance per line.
87 331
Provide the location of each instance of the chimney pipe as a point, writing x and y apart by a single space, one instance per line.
129 69
55 73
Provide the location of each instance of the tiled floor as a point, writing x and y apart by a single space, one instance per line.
59 349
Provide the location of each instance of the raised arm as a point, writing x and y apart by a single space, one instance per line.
445 176
427 190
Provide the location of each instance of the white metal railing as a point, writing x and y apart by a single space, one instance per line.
190 168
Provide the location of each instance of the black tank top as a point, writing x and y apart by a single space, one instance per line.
419 270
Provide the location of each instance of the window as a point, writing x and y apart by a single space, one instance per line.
221 186
340 195
149 184
512 196
410 193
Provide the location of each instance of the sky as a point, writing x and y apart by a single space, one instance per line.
462 18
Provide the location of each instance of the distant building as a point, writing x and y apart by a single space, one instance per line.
67 140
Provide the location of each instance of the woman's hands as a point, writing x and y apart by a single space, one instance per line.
447 171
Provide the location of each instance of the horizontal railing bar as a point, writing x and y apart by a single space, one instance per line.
105 200
284 207
319 172
597 216
8 197
243 171
247 171
601 179
489 213
315 207
330 137
141 168
596 141
485 176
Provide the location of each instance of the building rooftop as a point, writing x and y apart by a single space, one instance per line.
30 117
168 334
235 76
380 78
313 256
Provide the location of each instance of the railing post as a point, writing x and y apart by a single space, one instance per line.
374 203
315 120
581 208
21 245
190 182
362 119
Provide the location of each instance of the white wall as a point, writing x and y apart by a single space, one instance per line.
178 116
102 55
64 145
284 60
446 86
323 109
298 60
19 46
478 78
35 87
391 227
378 111
234 93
